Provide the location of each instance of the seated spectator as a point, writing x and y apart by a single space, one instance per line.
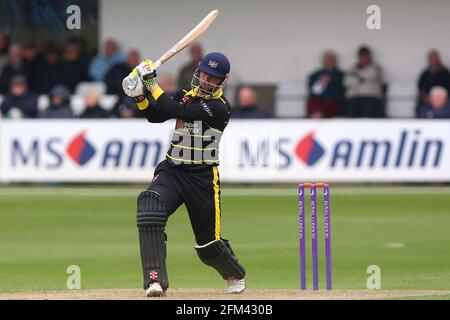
92 108
434 75
247 107
19 102
33 60
126 108
75 63
438 106
59 104
3 51
15 66
50 73
115 75
101 63
186 72
167 83
326 90
364 88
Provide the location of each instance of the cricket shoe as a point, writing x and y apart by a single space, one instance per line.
155 290
235 286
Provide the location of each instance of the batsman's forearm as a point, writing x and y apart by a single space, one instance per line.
156 91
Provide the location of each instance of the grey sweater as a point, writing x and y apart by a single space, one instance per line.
365 82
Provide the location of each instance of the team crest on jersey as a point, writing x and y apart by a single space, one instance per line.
213 64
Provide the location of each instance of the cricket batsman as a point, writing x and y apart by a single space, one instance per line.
189 174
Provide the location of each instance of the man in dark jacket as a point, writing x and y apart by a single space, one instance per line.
19 102
75 63
59 104
434 75
247 107
15 66
326 89
33 59
4 45
50 73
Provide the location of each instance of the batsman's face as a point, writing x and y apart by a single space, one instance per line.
206 83
210 79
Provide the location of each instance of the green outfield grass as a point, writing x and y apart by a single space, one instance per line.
41 234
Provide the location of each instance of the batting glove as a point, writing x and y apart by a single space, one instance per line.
133 87
147 72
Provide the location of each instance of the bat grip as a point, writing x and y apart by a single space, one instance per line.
157 64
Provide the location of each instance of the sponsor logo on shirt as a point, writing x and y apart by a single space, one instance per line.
206 108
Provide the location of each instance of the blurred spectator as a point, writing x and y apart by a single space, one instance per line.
101 63
438 106
326 90
49 73
3 51
4 44
364 88
434 75
126 108
59 104
19 102
75 63
167 83
93 109
15 66
115 75
32 60
247 107
185 75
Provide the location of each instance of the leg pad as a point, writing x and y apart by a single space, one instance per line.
151 221
219 255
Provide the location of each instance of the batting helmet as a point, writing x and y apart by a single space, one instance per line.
215 64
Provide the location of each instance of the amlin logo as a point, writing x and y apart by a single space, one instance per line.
309 150
80 149
410 149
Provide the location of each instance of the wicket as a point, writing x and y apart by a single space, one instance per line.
314 233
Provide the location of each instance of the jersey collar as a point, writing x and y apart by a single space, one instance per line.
194 93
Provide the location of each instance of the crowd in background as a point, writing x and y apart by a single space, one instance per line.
26 73
361 92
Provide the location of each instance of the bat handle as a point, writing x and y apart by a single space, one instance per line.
157 64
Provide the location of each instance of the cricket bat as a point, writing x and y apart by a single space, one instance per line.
197 31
